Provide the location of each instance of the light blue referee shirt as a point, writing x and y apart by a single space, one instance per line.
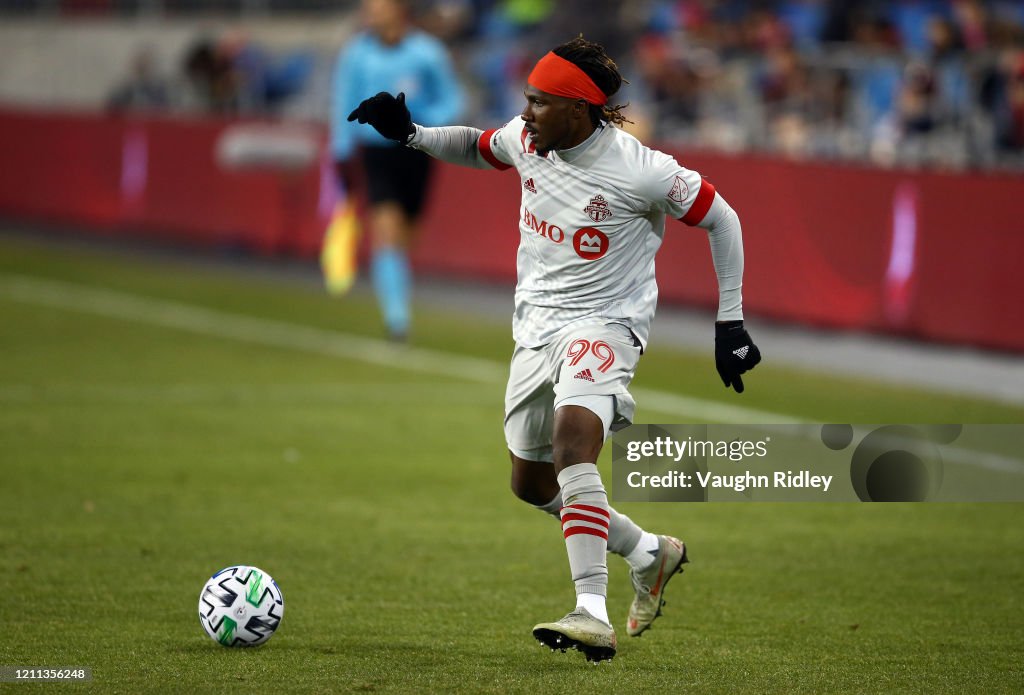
418 65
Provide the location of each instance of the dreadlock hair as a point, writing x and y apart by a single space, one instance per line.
591 59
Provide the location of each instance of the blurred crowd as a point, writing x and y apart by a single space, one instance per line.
936 83
224 74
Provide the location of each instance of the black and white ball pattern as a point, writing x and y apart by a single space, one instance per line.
241 606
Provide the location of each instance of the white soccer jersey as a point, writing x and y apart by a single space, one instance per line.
591 220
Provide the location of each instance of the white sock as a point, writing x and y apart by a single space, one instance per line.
645 552
585 521
594 603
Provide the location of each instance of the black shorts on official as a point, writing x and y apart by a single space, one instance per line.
397 174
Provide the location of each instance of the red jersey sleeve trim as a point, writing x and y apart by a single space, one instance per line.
484 145
701 204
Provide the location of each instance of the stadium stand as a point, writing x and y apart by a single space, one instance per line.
932 83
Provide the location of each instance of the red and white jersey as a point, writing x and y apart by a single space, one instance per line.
591 220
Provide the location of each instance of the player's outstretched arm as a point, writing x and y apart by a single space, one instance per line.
390 117
457 144
735 352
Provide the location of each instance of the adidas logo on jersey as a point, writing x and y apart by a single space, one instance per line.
585 375
742 352
529 185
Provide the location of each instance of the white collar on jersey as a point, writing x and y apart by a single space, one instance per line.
573 154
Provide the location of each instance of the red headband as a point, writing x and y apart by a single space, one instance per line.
556 75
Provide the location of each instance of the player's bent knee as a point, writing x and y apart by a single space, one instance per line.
527 491
581 425
533 482
533 492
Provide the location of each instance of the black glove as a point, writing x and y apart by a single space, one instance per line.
735 353
389 116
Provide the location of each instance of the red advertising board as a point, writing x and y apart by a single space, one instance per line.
930 255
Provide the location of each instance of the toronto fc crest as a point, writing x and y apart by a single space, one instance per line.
598 209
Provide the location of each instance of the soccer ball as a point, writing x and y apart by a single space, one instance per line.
241 606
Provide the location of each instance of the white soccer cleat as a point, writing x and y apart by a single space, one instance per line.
581 631
650 583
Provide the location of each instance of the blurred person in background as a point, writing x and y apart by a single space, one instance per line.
946 58
390 55
785 91
265 80
1009 104
972 23
145 87
210 82
672 83
917 106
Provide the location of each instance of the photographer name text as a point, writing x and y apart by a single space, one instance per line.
733 451
738 482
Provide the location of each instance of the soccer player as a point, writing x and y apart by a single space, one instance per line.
592 218
391 55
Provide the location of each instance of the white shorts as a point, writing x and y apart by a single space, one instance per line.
586 360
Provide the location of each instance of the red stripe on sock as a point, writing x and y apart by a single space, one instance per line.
587 508
580 517
573 530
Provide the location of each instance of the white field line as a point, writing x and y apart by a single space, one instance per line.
222 324
282 334
957 454
176 392
707 411
982 459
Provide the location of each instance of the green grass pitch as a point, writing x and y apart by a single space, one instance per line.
170 425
